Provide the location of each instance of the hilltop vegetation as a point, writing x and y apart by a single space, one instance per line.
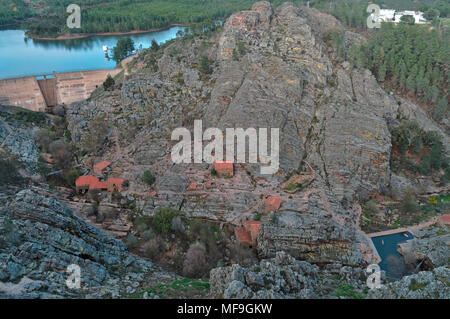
354 12
49 16
410 59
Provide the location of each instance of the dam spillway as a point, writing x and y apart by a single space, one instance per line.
36 94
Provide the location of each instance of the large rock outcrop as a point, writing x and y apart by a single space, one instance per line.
40 238
424 285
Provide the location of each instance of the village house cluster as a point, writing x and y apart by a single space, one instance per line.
91 182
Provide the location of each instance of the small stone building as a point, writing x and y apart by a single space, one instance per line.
116 184
85 183
100 168
224 168
272 204
248 234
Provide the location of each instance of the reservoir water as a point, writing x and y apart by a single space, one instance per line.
391 261
22 56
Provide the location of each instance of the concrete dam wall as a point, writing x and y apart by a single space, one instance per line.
56 89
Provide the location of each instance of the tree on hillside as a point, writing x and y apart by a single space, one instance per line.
109 82
155 45
440 109
431 14
123 48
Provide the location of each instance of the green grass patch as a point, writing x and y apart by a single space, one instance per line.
177 288
348 291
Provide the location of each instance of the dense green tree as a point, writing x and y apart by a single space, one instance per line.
407 19
205 65
109 83
409 58
440 109
155 45
431 14
123 48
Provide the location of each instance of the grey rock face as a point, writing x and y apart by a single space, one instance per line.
40 238
19 141
432 243
424 285
281 277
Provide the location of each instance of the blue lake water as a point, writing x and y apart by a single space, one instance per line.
22 56
391 261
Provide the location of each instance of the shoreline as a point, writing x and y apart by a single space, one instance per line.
103 34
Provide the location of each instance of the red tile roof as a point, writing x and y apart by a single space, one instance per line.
445 219
98 186
223 165
192 187
252 227
224 168
243 235
98 168
115 181
86 181
273 203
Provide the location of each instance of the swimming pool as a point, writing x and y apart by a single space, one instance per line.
391 261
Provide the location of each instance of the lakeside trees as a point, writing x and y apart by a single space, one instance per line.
123 48
117 15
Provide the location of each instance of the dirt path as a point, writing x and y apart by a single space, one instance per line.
412 229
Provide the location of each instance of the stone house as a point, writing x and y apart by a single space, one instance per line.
224 168
100 168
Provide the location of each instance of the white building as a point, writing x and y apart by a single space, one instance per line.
386 15
391 15
417 15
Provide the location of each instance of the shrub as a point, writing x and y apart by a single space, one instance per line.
141 224
27 116
97 133
43 138
148 178
177 225
205 65
42 167
162 221
241 48
371 207
440 110
409 136
131 241
109 83
147 235
62 154
71 176
154 247
9 166
409 203
155 45
195 264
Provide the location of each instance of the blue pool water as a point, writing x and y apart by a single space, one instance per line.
391 261
22 56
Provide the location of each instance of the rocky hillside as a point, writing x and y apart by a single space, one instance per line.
268 67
